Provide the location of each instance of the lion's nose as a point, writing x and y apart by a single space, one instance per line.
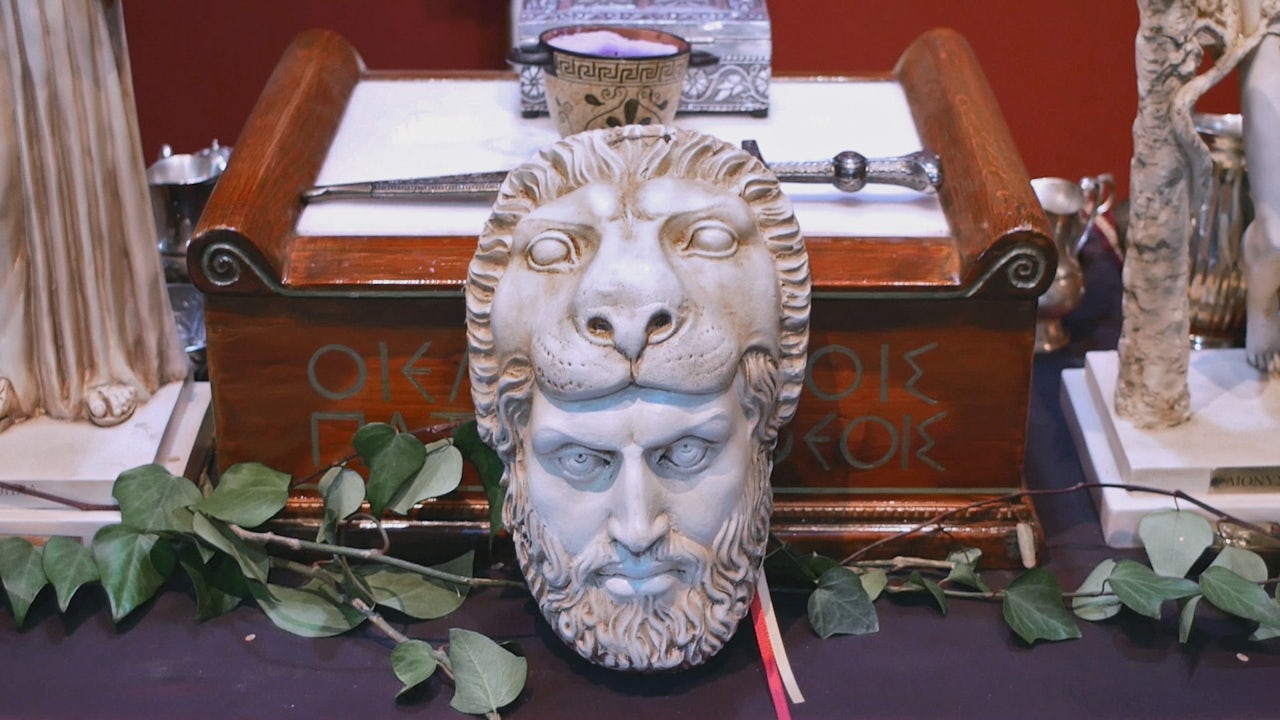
630 296
631 329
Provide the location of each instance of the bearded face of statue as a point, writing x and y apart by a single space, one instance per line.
640 527
637 317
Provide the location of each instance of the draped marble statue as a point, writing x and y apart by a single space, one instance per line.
85 326
637 315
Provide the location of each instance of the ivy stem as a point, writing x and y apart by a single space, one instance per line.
374 555
364 608
24 490
990 594
1180 495
902 562
374 617
970 594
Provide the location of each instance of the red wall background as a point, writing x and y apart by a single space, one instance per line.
1063 72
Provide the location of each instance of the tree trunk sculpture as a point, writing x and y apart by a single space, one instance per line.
1169 175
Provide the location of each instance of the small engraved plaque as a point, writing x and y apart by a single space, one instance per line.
1245 479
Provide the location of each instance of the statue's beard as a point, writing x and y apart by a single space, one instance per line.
680 628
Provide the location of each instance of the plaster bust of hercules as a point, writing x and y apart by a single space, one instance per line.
637 315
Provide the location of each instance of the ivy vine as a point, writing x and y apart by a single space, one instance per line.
1177 543
219 536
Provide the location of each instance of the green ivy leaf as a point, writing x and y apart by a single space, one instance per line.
23 574
1266 633
68 564
133 565
441 473
1174 540
1143 591
370 439
818 564
1248 565
784 566
247 494
309 611
1187 616
1033 608
840 605
928 585
965 569
1231 593
489 466
398 461
416 595
218 583
1098 607
252 559
342 491
413 661
149 495
486 677
1245 563
874 581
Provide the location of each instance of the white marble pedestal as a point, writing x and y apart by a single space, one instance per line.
79 461
1227 455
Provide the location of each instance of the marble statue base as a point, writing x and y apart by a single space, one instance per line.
1227 455
79 461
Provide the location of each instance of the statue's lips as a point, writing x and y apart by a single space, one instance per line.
633 578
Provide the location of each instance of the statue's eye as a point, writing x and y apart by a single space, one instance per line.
552 250
711 238
581 465
688 454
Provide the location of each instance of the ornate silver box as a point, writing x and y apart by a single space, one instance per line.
735 31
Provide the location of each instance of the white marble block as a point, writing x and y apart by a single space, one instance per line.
1227 455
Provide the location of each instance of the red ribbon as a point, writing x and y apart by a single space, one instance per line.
779 695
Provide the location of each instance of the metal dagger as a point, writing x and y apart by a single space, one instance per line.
847 171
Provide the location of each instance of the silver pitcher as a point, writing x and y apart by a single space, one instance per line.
1071 208
180 187
1217 284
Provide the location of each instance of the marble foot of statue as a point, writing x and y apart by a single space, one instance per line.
1262 294
110 404
1262 328
1262 348
7 404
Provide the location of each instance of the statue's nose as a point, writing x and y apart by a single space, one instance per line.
630 297
631 329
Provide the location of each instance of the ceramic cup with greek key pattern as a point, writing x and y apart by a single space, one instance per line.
606 76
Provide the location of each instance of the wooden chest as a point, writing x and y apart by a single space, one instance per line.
320 318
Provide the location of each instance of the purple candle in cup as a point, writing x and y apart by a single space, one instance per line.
607 43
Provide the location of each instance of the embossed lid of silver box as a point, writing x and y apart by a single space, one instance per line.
735 31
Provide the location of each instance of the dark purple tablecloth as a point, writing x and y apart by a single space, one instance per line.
164 664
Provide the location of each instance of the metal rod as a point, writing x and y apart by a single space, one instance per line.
443 187
848 172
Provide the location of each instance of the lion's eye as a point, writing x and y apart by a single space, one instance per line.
711 239
552 250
